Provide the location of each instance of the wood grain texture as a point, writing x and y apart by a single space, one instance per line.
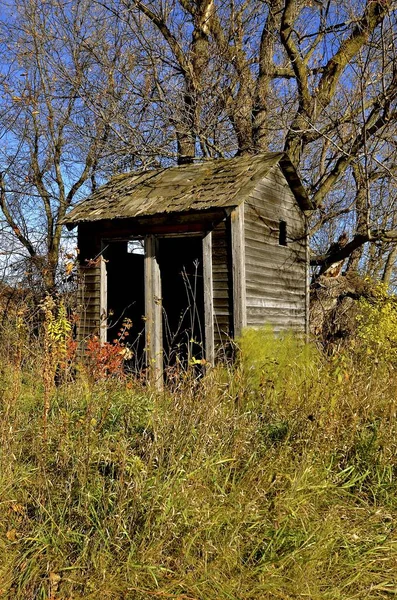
249 278
222 286
208 299
276 275
213 183
238 270
103 300
89 302
153 314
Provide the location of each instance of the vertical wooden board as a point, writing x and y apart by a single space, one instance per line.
238 270
208 299
89 284
103 301
153 313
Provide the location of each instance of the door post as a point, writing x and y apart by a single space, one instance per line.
153 314
238 270
208 300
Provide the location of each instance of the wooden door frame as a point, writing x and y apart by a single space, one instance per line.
209 334
153 313
238 270
153 302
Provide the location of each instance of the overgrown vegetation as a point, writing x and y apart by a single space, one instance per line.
273 479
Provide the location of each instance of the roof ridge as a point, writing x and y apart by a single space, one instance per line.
199 163
212 183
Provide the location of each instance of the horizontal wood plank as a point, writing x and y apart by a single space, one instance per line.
275 274
221 281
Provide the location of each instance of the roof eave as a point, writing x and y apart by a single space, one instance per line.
216 209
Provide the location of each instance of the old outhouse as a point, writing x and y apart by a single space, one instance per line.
192 254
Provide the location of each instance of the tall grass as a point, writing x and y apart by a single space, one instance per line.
274 479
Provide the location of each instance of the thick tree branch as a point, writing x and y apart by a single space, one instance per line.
375 235
372 126
266 71
374 13
298 65
168 36
310 107
38 181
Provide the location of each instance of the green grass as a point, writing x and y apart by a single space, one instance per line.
275 480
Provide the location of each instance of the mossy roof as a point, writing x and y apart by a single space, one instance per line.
212 184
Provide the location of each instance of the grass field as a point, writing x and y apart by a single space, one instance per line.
274 479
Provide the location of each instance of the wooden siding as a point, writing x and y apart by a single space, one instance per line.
89 302
238 270
91 295
276 275
222 286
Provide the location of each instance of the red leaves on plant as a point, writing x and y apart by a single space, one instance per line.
104 360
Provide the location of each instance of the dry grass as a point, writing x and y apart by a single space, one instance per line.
276 480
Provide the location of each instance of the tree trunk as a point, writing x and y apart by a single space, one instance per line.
389 265
361 205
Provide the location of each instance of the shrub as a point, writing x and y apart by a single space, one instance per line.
107 360
377 326
273 362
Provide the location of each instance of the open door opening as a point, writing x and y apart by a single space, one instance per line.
181 267
125 296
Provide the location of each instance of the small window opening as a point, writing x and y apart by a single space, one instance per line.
282 233
135 247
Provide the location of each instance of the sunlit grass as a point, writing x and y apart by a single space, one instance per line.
274 479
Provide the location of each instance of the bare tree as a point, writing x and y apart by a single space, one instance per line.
58 126
317 79
90 88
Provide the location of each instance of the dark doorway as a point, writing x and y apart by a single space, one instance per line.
181 267
125 296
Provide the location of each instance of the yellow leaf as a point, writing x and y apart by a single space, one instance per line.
18 508
11 535
54 578
54 582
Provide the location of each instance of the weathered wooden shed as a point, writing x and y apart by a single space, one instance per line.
215 246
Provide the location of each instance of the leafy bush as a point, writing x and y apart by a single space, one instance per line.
377 326
273 362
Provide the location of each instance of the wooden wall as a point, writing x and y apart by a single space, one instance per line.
89 301
276 289
276 275
222 286
91 295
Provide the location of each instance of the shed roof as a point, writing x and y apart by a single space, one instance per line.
216 183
